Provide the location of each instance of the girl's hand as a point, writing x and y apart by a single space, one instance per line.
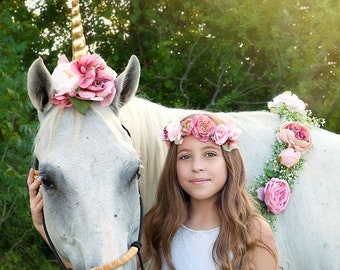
35 189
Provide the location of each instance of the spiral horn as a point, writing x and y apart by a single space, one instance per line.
79 47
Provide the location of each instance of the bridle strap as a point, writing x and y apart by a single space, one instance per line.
55 253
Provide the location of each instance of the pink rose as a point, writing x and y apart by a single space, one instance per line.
289 157
187 125
96 80
85 68
62 101
276 195
295 135
203 128
104 86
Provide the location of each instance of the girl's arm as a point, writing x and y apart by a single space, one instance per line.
35 190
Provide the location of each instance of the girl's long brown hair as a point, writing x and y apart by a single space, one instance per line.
237 214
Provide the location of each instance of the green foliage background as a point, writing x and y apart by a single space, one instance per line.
218 55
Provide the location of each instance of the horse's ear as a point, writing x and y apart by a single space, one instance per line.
39 85
127 82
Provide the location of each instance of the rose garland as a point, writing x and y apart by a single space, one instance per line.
203 129
272 189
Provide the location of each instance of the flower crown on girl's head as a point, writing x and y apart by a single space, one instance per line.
203 129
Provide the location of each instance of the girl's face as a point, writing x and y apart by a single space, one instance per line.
201 168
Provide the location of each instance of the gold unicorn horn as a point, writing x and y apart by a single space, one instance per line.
79 47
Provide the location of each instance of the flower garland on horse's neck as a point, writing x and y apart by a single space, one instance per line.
272 189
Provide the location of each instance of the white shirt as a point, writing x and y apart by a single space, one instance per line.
192 249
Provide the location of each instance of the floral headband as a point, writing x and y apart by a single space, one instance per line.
203 129
80 81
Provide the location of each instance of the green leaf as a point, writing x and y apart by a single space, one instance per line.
81 105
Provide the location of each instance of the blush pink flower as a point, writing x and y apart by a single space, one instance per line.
222 134
187 125
88 78
85 68
62 101
63 78
292 102
103 86
276 195
295 135
289 157
174 132
203 127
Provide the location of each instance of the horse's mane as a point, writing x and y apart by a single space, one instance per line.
154 117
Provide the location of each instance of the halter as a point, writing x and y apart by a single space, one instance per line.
115 264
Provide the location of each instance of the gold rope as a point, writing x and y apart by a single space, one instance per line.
118 262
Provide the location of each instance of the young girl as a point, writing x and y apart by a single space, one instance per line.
203 217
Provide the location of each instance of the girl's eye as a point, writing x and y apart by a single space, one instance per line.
184 157
210 154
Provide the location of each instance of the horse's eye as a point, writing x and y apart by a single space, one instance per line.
48 182
138 175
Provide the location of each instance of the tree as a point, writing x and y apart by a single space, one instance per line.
225 55
19 243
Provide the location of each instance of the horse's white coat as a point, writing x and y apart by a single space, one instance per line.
307 233
89 167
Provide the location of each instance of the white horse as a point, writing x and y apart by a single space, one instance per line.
89 170
307 233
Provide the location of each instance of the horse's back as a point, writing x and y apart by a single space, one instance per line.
310 224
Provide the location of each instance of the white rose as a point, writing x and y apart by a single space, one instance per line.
292 102
63 78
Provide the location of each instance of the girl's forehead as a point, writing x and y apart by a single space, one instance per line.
190 143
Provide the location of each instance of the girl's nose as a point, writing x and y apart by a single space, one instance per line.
197 165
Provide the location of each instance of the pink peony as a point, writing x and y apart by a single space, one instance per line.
62 101
85 68
289 157
105 81
187 125
295 135
203 128
276 195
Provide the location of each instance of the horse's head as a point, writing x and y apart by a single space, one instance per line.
89 170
